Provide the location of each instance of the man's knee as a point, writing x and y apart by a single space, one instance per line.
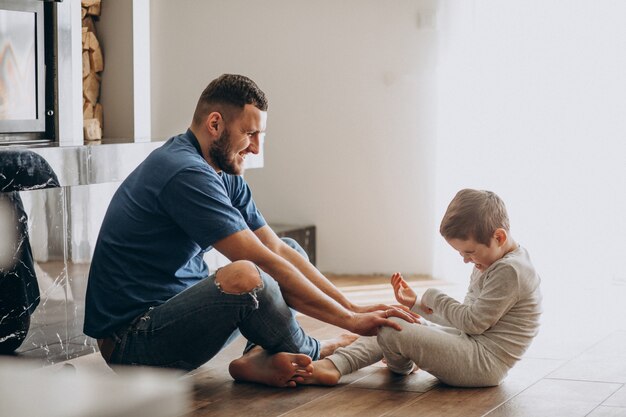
296 246
238 277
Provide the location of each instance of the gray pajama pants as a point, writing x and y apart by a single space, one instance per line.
452 356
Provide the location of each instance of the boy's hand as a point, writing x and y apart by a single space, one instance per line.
404 294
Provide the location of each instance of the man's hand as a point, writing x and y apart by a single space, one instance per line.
368 324
382 307
404 294
368 308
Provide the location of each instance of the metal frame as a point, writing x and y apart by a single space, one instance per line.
39 123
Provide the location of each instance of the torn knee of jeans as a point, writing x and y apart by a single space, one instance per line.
239 278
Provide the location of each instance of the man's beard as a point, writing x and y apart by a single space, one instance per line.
220 153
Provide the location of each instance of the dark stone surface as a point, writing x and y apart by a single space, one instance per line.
303 234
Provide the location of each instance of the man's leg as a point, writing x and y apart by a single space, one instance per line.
276 352
192 327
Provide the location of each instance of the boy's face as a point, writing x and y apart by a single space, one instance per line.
482 256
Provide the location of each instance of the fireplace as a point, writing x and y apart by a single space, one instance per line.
27 72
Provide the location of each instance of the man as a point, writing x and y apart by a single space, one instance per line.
150 299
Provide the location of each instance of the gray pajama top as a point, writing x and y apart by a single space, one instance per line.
501 309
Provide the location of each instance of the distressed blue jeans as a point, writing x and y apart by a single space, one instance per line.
192 327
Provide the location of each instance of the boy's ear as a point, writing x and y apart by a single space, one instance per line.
501 236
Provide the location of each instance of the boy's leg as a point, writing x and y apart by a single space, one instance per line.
446 353
192 327
363 352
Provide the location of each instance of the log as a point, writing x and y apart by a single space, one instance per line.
96 60
91 88
88 112
97 114
93 63
92 129
86 63
94 10
92 41
89 24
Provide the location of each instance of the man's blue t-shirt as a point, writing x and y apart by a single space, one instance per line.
169 211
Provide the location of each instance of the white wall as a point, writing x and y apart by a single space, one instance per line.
351 125
532 104
124 35
115 35
526 98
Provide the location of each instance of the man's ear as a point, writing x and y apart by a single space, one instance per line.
213 123
501 236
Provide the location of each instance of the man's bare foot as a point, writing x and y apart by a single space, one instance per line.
324 373
278 370
329 346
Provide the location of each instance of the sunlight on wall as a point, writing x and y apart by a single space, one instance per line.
532 98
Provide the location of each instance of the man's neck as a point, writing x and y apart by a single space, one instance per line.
203 141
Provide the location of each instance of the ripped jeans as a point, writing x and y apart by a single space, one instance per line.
192 327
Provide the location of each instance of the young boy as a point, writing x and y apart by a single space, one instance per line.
476 342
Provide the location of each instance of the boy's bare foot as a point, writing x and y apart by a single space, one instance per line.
278 370
329 346
413 370
324 373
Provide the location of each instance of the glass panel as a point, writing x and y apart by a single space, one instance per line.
48 237
49 223
48 336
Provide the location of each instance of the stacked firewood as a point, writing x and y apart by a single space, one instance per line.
93 64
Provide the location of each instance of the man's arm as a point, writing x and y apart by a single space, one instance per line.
299 292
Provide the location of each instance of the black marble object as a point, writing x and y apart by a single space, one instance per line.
20 170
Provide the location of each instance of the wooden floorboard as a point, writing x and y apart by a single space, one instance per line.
618 399
467 402
603 411
355 402
382 379
554 397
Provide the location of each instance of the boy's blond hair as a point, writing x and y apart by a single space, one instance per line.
474 214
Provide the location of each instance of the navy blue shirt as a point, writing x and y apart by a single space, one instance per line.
169 211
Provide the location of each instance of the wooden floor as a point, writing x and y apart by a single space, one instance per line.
565 373
574 368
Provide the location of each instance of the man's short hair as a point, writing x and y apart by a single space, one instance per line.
474 214
229 93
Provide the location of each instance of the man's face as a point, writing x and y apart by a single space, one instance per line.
240 137
482 256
